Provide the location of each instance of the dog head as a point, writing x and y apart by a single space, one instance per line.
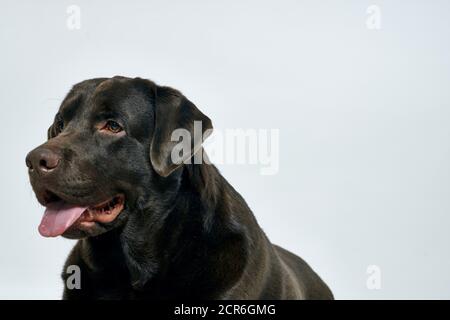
109 154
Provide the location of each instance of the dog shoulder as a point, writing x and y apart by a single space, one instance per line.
312 287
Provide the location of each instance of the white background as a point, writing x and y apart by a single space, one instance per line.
363 118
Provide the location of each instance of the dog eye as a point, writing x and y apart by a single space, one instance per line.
113 126
60 125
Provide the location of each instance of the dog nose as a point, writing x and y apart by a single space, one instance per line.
43 160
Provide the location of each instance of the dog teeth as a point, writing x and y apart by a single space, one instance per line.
106 209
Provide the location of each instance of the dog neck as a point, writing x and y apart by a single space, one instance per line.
188 230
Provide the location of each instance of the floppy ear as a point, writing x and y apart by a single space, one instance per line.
174 111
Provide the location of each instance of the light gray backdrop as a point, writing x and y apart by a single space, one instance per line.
363 115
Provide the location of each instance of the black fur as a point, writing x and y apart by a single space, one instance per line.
184 232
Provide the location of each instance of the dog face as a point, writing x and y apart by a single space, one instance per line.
108 155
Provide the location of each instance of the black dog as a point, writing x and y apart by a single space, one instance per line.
151 228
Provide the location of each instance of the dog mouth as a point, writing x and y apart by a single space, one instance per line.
60 215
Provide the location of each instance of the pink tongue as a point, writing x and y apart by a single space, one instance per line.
58 217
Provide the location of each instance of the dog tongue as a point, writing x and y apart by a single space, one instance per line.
58 217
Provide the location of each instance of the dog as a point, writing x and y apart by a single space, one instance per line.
149 227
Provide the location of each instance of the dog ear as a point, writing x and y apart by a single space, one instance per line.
174 111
